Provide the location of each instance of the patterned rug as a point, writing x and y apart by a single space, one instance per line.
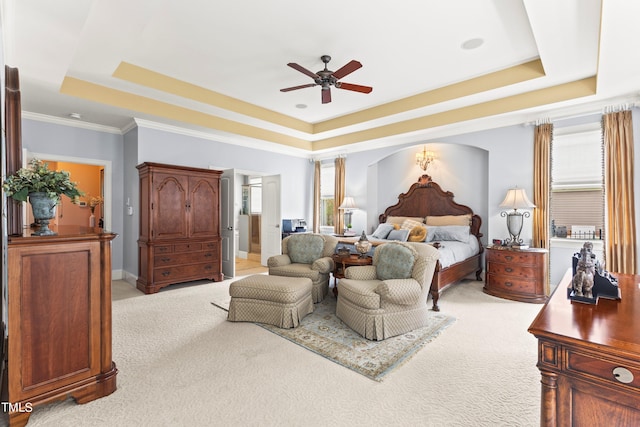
323 333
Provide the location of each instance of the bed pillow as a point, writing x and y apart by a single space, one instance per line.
448 220
399 220
460 233
400 235
382 231
409 224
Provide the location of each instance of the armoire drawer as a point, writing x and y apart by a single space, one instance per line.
183 258
185 272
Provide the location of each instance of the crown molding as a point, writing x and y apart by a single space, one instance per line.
70 122
225 139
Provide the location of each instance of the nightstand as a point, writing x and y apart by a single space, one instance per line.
517 274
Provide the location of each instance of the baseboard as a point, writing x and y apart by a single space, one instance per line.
128 277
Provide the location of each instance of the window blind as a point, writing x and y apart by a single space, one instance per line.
578 208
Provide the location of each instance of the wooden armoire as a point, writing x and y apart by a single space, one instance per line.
179 226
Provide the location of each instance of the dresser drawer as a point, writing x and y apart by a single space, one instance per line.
185 272
211 245
511 257
163 249
616 373
510 284
183 258
187 247
512 270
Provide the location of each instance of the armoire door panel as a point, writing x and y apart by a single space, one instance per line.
169 205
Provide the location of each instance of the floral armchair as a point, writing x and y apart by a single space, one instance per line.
389 297
306 255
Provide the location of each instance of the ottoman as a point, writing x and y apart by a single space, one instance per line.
276 300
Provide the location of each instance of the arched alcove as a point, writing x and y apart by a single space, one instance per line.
460 169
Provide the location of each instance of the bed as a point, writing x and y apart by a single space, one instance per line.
425 199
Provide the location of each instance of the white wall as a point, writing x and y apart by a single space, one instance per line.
478 168
60 140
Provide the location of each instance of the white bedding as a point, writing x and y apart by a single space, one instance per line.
451 252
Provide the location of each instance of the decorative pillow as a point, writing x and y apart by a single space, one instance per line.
410 224
305 248
460 233
400 235
394 261
448 220
400 219
382 231
417 234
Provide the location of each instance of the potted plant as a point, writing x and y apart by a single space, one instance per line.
43 187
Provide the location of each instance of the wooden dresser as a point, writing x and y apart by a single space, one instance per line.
59 319
179 226
589 358
517 274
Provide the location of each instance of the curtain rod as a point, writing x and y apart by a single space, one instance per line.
604 110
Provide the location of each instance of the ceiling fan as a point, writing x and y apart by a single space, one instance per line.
327 78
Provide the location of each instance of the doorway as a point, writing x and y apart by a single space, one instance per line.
94 178
249 227
254 260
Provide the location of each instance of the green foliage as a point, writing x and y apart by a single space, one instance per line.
37 177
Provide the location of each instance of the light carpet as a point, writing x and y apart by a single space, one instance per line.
181 363
323 333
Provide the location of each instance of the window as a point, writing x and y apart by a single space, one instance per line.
327 190
577 189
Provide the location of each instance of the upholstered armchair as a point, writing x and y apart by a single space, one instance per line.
306 255
389 297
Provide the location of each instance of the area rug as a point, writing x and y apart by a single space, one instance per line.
323 333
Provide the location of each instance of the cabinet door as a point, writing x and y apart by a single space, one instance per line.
169 206
204 206
54 317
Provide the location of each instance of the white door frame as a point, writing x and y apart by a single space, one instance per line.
228 221
108 177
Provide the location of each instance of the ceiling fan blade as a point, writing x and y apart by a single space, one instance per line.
287 89
347 69
303 70
326 95
355 88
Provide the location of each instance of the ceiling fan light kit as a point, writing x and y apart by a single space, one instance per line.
327 78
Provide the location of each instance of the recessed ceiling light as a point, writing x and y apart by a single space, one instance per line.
301 106
76 116
472 44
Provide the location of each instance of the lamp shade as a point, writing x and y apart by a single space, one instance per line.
348 203
516 198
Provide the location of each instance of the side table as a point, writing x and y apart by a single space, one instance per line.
517 274
341 262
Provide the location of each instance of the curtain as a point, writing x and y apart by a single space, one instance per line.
339 196
543 137
316 197
620 232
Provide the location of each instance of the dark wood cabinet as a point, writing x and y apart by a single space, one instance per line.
179 226
589 358
517 274
59 320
